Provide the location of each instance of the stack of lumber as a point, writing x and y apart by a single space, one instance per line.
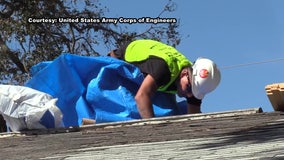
275 93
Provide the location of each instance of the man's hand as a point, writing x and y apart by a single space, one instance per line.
144 95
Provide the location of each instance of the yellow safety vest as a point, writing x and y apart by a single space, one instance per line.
141 50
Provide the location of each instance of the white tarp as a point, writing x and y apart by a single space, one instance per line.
26 108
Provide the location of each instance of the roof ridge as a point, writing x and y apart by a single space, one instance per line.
178 118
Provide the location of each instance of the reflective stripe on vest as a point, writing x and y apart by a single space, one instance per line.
141 50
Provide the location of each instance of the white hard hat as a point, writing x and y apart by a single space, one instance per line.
205 77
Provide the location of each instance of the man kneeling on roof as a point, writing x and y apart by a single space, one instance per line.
166 69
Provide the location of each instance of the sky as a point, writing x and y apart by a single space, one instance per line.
231 33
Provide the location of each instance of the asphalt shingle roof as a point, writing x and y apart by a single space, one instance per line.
243 134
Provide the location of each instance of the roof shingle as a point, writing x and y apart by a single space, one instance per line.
243 134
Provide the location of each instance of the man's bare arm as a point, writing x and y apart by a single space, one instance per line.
144 97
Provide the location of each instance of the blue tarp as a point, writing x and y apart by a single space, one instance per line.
100 88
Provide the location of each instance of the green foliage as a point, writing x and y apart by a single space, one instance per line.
24 43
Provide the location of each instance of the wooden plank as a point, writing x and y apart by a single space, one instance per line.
275 94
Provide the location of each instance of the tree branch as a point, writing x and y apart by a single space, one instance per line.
5 51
